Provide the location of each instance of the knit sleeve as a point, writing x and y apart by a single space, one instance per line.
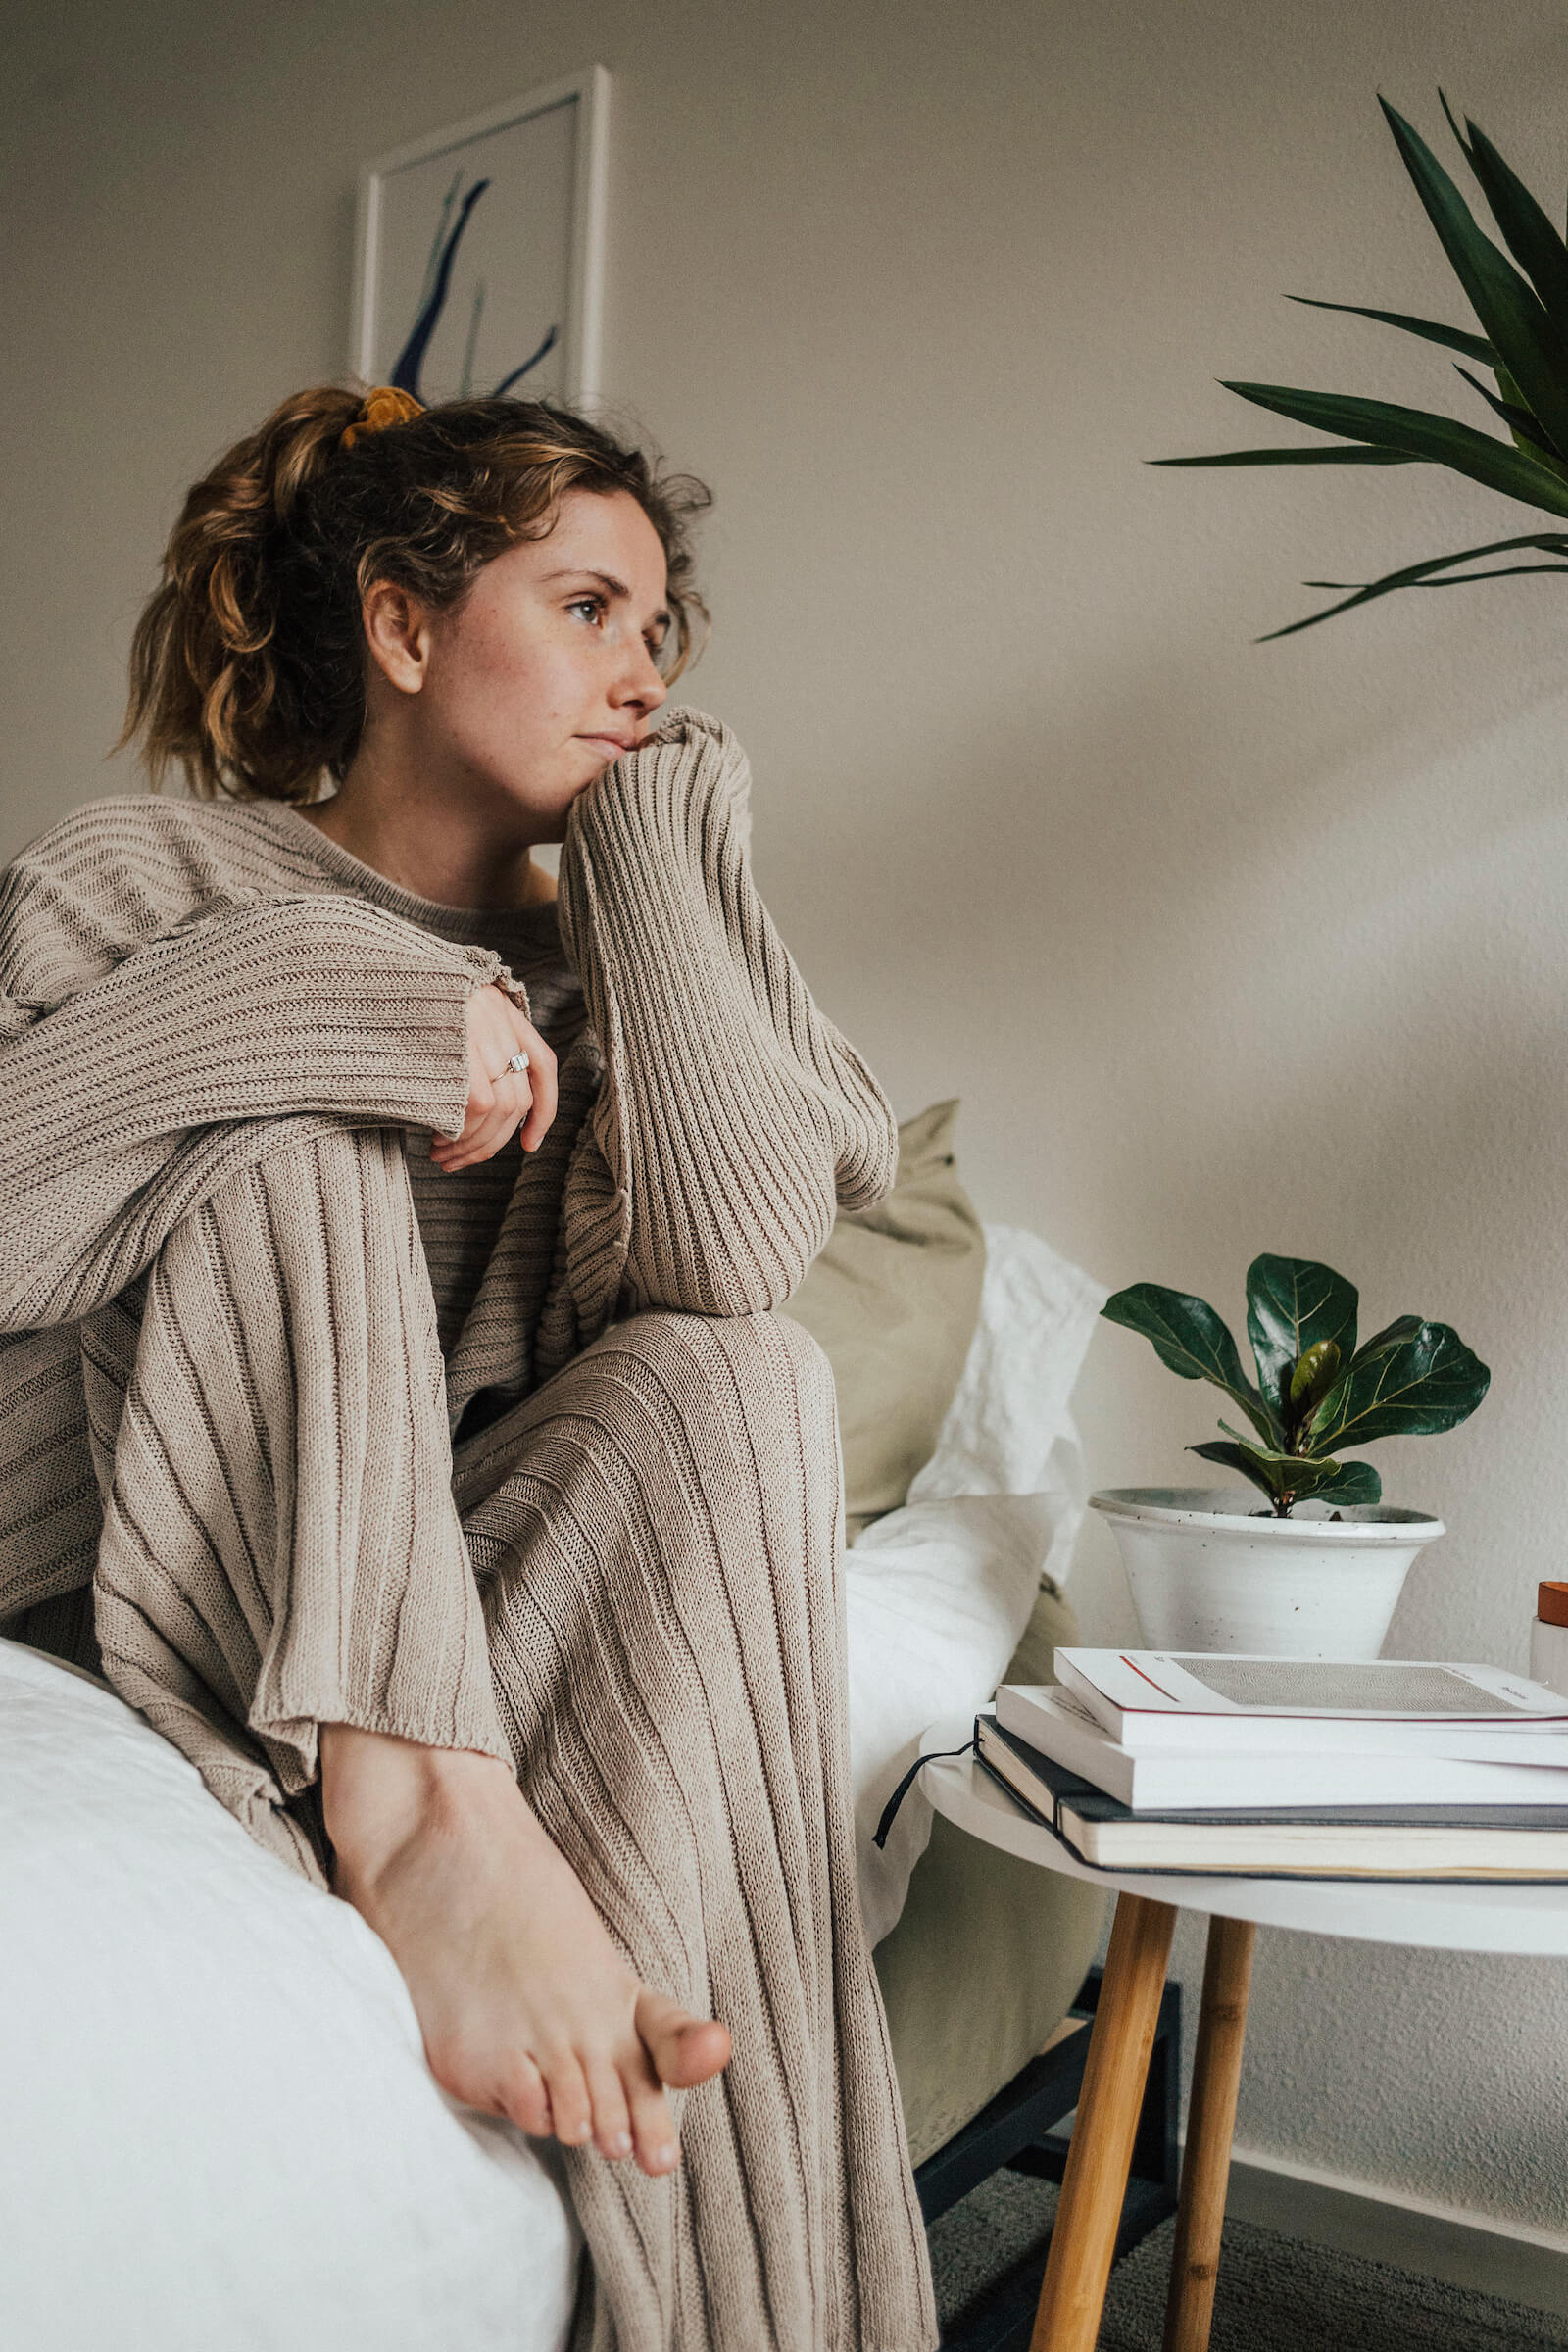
127 1096
733 1118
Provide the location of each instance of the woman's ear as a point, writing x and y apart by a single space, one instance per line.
396 630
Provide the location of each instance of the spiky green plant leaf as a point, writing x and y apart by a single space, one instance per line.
1524 433
1503 572
1314 454
1418 434
1525 345
1530 237
1512 314
1423 575
1452 338
1521 425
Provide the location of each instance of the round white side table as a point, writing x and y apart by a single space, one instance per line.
1500 1918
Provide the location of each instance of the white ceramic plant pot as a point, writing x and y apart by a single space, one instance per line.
1206 1574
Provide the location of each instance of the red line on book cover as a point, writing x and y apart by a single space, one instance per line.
1150 1680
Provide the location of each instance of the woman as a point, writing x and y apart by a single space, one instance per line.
393 1401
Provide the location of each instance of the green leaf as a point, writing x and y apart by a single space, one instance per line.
1192 1340
1319 453
1418 434
1522 426
1311 1476
1526 433
1238 1457
1300 1475
1508 307
1528 233
1292 1304
1312 1379
1452 338
1406 1382
1420 575
1357 1483
1403 1327
1503 572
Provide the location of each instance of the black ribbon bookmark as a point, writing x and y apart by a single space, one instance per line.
890 1809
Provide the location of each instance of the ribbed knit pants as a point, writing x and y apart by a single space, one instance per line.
635 1571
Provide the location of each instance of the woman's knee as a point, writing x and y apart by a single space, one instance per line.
664 1415
764 1367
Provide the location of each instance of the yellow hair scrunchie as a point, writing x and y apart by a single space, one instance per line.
382 405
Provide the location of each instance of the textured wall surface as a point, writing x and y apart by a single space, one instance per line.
1227 948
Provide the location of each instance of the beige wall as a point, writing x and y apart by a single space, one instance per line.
1226 948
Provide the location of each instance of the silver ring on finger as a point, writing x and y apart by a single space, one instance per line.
517 1062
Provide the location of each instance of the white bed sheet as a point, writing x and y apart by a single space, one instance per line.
217 2131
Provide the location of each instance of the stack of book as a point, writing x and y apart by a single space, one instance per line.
1142 1760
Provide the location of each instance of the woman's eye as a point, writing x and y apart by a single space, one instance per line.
592 604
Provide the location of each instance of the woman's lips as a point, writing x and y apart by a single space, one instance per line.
612 745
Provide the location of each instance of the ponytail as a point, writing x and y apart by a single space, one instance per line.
247 666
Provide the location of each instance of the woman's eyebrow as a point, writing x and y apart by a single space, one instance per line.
608 581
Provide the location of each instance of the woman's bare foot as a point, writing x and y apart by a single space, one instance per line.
527 2008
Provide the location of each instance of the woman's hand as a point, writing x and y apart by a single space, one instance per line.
499 1098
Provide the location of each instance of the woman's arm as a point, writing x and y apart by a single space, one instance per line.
734 1119
132 1096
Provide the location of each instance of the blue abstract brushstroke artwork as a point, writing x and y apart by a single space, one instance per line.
437 287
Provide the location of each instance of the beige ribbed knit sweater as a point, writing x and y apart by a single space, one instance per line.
242 1311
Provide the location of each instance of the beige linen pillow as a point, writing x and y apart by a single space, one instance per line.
893 1298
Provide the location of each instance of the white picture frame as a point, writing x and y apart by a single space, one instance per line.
519 192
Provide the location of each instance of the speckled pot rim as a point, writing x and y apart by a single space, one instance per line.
1230 1512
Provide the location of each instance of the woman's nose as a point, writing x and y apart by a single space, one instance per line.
642 683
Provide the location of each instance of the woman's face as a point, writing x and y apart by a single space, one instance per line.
546 671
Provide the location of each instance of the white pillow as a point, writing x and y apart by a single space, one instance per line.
219 2128
1008 1430
937 1594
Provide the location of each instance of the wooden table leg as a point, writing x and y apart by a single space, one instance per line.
1099 2153
1210 2121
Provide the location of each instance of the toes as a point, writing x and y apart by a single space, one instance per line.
525 2100
612 2117
570 2108
652 2126
685 2050
703 2049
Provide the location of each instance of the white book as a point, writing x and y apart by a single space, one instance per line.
1150 1699
1379 1842
1056 1724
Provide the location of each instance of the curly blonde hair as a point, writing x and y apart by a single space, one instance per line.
247 667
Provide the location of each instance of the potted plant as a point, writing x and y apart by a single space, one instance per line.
1523 345
1315 1570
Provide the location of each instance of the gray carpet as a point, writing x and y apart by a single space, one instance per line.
1276 2294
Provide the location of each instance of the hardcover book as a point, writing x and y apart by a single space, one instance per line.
1377 1841
1056 1723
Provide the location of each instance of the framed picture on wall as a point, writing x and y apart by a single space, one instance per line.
480 252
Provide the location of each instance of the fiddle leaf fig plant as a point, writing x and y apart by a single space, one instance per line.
1317 1394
